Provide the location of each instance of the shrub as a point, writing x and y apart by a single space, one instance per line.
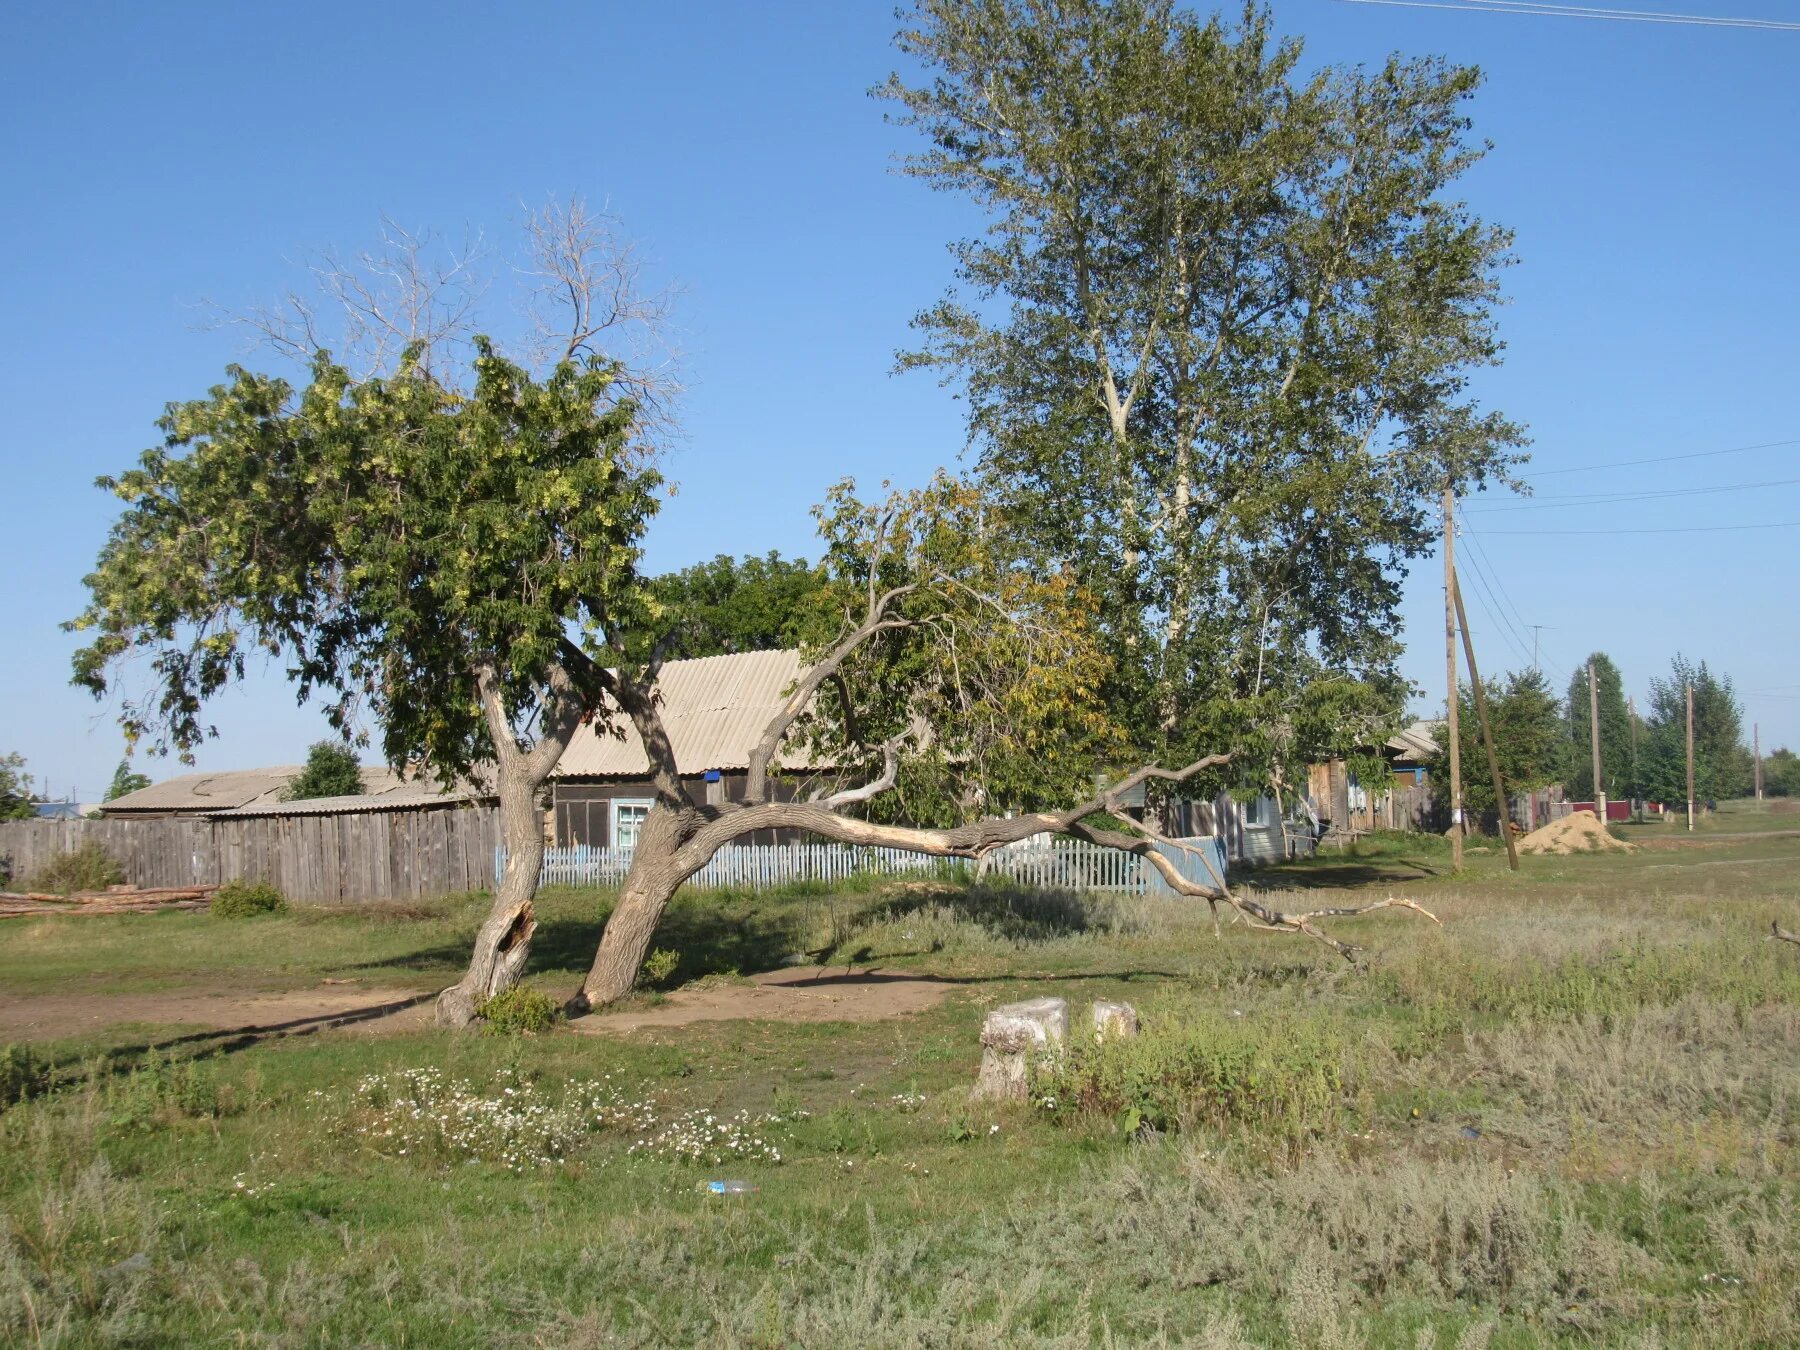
247 899
88 868
518 1011
23 1073
659 966
1280 1075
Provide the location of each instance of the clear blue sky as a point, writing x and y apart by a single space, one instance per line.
163 153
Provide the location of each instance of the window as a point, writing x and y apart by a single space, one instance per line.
628 815
1259 813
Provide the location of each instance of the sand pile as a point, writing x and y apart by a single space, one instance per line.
1577 832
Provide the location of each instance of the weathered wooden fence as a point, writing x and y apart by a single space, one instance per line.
322 859
1074 866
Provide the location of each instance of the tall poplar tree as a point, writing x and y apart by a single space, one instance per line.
1619 748
1214 341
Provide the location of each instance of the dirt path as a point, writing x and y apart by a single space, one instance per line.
38 1017
803 995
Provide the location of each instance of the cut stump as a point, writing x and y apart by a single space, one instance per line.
1011 1035
1114 1020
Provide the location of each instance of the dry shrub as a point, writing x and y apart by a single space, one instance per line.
87 868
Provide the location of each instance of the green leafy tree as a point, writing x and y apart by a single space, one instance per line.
16 801
1619 744
1528 742
1722 767
1781 773
124 780
332 770
1214 343
731 605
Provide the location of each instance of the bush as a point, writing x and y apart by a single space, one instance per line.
518 1012
23 1073
658 967
88 868
247 899
1284 1076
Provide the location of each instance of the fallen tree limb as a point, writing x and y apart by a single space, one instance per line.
1777 931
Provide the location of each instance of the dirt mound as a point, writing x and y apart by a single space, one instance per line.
1577 832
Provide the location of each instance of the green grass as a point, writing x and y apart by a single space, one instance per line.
1563 1117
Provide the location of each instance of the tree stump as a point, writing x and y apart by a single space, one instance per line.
1114 1019
1010 1036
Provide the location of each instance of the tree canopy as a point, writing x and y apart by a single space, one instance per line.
1528 741
740 605
125 779
1214 343
16 801
332 770
1619 748
1721 762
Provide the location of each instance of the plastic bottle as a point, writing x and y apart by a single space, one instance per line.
730 1187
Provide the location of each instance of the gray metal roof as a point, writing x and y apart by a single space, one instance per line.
259 791
1418 741
409 797
715 709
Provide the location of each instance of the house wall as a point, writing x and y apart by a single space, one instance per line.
581 809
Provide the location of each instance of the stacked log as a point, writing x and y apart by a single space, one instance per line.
113 900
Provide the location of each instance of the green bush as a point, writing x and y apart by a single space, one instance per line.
88 868
247 899
658 967
1283 1076
23 1073
518 1012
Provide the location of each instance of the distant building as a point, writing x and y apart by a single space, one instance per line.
259 792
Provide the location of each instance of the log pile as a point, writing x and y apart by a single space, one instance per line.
113 900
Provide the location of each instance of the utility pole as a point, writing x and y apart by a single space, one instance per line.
1487 731
1456 813
1637 782
1690 754
1594 738
1756 754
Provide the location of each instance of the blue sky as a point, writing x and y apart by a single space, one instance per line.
164 154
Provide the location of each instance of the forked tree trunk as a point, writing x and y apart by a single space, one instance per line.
651 883
504 941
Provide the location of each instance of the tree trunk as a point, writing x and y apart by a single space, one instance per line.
504 941
649 886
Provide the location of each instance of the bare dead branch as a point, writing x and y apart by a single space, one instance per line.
1777 931
890 774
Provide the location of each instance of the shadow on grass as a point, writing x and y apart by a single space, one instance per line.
1332 874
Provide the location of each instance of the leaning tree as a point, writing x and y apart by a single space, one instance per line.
456 563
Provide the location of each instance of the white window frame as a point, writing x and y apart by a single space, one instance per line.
1253 808
613 825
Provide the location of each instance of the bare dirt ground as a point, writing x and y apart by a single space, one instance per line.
802 995
53 1016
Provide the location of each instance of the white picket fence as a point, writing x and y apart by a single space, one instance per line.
1067 866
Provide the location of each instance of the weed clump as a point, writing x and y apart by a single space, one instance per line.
88 868
247 899
1281 1077
658 967
518 1012
23 1073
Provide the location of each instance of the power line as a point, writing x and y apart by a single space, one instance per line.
1674 529
1659 459
1479 556
1608 498
1585 12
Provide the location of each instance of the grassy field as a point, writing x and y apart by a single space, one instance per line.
1562 1117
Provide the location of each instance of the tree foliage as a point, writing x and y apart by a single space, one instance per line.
1619 748
1722 765
332 770
1528 741
16 801
1781 773
739 605
1214 342
125 780
385 538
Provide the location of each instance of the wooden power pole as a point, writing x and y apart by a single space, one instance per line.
1594 740
1487 730
1690 754
1756 755
1456 812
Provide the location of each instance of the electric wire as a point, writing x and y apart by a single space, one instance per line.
1588 12
1648 494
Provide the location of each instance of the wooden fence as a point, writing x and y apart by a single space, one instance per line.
320 859
1074 866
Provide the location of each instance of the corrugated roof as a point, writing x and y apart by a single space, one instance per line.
1418 741
413 795
237 789
715 709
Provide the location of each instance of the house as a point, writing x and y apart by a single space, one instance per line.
715 709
